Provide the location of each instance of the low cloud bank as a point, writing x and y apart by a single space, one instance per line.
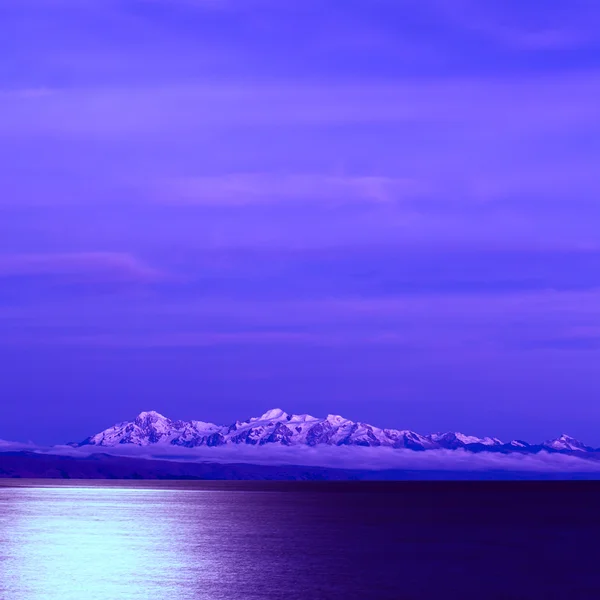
375 459
6 446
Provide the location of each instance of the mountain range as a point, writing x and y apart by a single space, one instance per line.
278 427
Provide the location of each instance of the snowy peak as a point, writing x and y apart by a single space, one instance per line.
566 442
336 420
455 440
149 418
275 414
149 427
275 426
518 444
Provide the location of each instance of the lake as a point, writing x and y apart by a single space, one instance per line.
268 540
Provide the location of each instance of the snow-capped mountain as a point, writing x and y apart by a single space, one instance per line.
566 442
153 428
278 427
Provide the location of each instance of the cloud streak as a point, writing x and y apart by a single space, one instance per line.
510 23
502 105
239 189
100 267
358 458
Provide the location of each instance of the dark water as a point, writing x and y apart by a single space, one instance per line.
266 541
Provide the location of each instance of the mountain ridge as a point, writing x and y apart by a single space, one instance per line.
276 426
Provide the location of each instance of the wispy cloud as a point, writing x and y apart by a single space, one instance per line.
84 266
428 326
519 26
193 339
273 188
25 93
566 342
500 104
8 446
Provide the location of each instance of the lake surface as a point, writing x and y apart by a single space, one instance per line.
255 540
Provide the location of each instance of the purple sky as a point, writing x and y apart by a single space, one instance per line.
387 209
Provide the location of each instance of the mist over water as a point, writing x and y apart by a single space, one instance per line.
230 540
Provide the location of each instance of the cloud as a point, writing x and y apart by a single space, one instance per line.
565 342
199 338
355 458
202 4
8 446
237 189
514 25
96 267
189 339
24 93
508 105
256 302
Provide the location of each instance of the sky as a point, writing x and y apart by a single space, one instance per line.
385 209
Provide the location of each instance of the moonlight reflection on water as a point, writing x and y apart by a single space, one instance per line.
297 541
